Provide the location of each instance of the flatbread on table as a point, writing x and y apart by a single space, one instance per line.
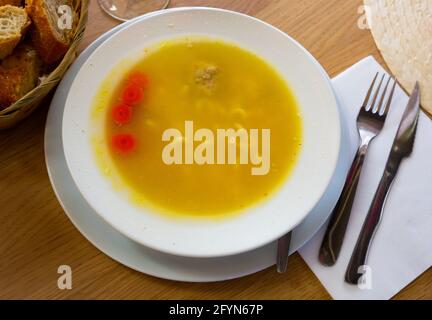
402 30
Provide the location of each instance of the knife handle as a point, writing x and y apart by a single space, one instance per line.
370 225
335 233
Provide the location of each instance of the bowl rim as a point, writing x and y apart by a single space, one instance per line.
311 204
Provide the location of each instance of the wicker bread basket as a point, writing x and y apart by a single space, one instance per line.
19 110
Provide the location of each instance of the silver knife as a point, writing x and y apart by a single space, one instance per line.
402 147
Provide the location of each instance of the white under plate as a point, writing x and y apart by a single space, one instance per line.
146 260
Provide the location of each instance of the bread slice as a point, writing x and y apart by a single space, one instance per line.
48 38
14 22
17 3
19 74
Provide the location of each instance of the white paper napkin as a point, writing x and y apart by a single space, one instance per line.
402 247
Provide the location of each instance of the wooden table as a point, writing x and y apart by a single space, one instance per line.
36 236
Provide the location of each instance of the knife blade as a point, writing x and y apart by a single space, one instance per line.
405 136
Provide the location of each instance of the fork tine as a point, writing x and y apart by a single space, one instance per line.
366 101
380 108
390 98
373 106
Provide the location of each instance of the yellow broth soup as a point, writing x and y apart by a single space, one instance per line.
186 85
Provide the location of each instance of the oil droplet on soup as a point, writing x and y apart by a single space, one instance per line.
216 85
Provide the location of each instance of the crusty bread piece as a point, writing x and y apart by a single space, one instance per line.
50 41
17 3
14 22
19 74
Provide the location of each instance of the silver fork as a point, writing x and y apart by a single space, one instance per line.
370 122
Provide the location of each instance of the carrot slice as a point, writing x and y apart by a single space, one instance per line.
140 79
133 94
124 143
122 114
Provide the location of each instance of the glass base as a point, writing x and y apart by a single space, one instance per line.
125 10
